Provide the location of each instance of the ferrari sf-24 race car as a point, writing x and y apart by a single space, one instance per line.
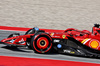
70 41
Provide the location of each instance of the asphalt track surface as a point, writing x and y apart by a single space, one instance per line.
25 52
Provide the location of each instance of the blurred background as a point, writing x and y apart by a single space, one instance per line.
50 14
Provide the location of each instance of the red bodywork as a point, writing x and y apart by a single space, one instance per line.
86 37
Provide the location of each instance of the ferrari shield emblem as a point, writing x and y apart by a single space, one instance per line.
63 36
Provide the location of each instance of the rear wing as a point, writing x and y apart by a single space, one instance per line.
96 29
97 25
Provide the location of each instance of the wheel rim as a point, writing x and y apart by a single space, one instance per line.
42 45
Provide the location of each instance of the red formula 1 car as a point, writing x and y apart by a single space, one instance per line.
70 41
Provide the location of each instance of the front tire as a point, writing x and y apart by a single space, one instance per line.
41 44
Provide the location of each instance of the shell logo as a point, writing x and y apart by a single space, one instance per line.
94 44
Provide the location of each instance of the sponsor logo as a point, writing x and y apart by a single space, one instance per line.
59 45
68 51
22 41
51 34
56 40
63 36
94 44
12 41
